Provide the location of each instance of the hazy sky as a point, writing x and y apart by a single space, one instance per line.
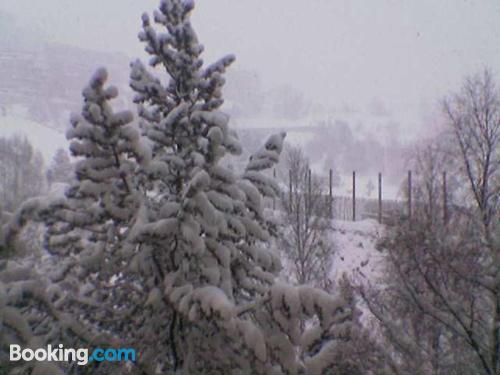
404 53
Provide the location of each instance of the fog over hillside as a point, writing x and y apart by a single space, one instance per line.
46 78
371 121
43 80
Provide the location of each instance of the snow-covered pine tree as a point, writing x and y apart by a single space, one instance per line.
87 227
27 317
103 199
30 292
204 230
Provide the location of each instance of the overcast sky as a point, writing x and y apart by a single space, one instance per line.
406 54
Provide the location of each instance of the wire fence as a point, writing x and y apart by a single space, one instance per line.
354 208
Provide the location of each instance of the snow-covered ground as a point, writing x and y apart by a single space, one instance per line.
355 250
357 257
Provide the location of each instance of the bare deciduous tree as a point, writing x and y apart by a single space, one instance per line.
440 307
474 118
306 241
20 172
61 169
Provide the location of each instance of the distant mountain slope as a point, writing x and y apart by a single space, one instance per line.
47 80
44 139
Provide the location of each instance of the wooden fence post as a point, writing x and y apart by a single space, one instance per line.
380 198
307 199
354 196
409 196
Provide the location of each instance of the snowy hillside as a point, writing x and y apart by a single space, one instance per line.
355 249
47 79
44 139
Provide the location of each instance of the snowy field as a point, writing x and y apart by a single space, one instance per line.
355 250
